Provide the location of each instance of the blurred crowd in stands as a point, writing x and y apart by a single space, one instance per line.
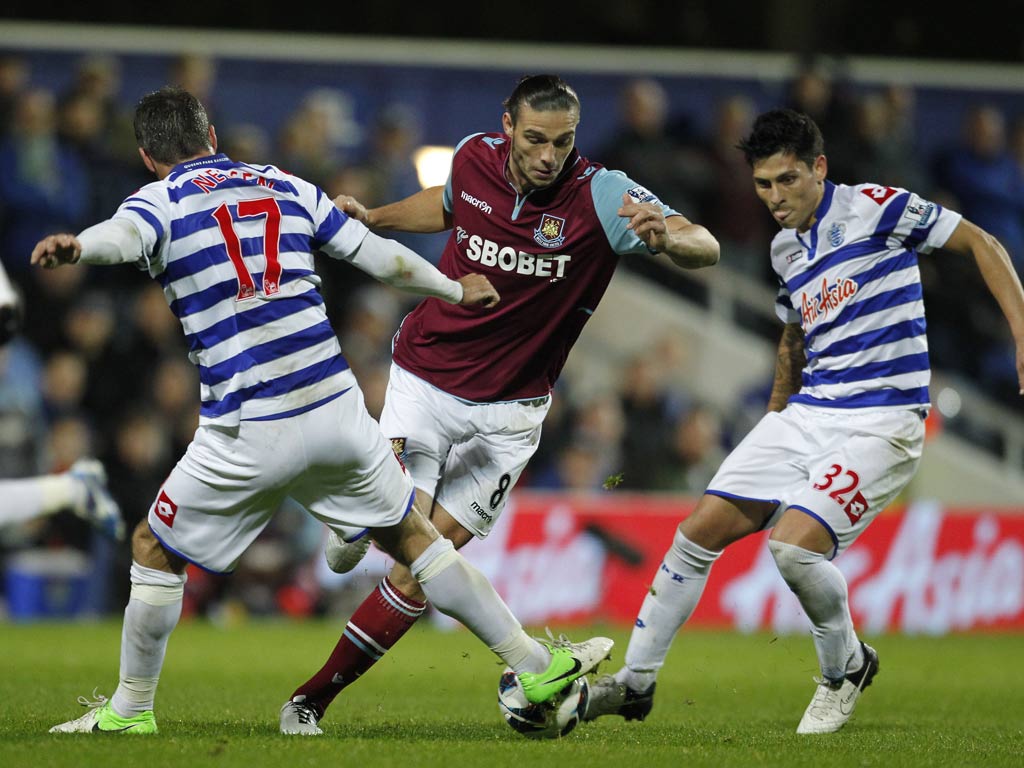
101 368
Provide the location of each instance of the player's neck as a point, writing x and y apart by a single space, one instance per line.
522 186
163 170
813 218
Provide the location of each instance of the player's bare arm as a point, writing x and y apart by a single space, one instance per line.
789 363
477 291
422 212
1000 277
689 245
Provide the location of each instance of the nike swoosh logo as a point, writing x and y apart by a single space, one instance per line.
847 703
576 666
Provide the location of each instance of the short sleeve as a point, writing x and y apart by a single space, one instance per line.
607 188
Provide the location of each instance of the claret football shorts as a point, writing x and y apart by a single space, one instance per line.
332 460
842 467
467 456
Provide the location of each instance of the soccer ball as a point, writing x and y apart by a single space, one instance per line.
551 720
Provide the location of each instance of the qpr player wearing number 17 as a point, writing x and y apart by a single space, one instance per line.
845 426
282 416
468 392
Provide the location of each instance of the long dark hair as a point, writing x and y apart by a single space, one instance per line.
542 93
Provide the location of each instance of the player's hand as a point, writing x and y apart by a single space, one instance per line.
477 291
351 207
647 220
54 250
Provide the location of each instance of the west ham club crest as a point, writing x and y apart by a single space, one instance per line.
551 231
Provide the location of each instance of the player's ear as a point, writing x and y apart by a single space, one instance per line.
213 138
147 161
506 123
820 168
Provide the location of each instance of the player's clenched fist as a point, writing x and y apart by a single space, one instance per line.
477 291
54 250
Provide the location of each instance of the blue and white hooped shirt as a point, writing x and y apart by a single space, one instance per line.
232 246
852 282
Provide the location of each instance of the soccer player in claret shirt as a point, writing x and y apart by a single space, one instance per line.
232 244
845 423
468 392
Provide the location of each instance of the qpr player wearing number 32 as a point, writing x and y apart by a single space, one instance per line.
845 426
232 244
468 393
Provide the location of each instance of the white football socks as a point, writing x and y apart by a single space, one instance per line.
671 599
459 590
32 497
152 613
822 592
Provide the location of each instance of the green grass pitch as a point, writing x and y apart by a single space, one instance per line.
724 699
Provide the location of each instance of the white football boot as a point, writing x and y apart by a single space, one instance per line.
101 717
569 661
98 506
342 556
834 701
298 719
607 696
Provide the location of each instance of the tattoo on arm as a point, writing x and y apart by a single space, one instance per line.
788 366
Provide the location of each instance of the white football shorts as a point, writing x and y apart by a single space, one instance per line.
467 456
332 460
842 467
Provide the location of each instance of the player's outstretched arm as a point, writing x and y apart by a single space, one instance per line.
689 245
1001 278
422 212
114 241
392 263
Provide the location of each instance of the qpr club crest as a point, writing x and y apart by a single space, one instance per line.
836 234
551 232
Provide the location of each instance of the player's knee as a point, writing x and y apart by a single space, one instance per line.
717 522
142 541
407 538
792 560
149 552
688 557
450 528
